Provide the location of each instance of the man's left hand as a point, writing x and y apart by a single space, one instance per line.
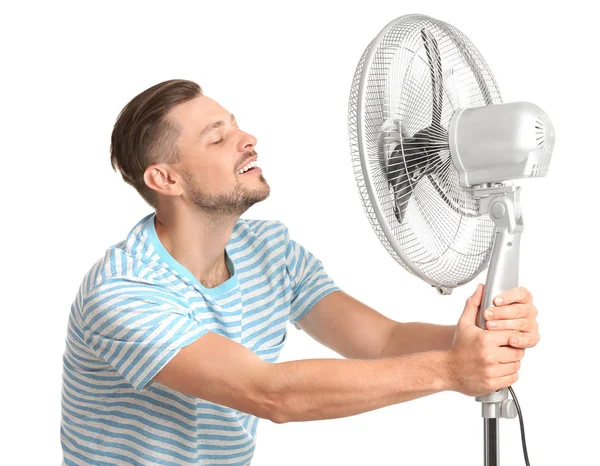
514 310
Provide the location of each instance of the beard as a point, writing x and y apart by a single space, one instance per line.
234 203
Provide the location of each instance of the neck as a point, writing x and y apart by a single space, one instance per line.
197 241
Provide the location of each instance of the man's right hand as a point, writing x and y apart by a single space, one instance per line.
481 361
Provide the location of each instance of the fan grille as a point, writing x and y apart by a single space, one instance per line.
441 238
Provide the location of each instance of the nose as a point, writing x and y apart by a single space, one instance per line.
247 142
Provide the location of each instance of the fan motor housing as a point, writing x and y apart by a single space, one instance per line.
500 142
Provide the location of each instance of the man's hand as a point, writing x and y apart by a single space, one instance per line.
480 361
514 310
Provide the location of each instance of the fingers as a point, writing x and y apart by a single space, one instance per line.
513 338
509 354
511 311
515 317
508 380
469 315
524 340
475 299
508 368
523 325
514 295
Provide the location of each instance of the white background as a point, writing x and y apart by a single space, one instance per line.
285 69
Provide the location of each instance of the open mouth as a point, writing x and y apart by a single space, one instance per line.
251 167
254 170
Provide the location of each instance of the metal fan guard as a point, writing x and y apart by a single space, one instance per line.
447 246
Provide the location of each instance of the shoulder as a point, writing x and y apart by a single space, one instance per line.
121 298
130 261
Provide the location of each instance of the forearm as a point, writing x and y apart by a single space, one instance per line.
314 389
417 337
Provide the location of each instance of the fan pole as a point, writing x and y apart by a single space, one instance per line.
503 204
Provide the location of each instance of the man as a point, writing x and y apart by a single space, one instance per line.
174 334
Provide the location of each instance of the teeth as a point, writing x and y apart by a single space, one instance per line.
247 167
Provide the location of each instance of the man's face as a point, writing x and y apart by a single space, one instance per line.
213 149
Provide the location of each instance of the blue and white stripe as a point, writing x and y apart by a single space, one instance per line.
137 307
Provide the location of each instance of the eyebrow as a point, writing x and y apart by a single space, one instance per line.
214 125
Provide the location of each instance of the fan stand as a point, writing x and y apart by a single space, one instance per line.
503 204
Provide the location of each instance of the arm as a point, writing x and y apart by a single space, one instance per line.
516 312
303 390
220 370
416 337
357 331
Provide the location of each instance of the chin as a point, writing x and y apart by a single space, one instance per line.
264 193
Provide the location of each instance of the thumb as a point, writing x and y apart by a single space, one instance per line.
469 315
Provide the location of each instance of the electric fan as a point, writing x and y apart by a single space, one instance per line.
434 152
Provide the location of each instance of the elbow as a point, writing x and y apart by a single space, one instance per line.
273 400
272 408
278 417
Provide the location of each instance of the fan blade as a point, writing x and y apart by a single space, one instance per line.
405 168
435 67
402 188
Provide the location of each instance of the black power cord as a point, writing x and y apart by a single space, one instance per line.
512 392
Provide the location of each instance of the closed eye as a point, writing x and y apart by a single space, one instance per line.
219 141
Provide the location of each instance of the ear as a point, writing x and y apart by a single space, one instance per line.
160 179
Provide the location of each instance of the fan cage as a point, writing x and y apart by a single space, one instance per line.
446 244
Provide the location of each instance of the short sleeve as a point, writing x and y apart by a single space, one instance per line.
308 278
137 328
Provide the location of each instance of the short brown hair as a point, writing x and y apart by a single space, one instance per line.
142 135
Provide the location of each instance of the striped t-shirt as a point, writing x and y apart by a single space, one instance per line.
137 307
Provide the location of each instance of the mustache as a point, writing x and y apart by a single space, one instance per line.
252 153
